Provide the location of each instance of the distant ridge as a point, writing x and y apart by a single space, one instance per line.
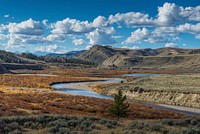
69 55
110 57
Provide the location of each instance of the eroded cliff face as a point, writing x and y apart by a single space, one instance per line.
171 98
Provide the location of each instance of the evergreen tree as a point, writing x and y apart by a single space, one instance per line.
119 106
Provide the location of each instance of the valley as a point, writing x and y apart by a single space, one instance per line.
27 87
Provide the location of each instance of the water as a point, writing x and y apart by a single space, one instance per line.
83 92
141 75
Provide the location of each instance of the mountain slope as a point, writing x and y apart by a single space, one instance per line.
109 57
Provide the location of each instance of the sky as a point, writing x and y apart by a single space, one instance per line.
60 26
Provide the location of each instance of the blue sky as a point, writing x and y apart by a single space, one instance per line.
66 25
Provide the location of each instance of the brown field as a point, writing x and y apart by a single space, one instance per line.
44 78
93 72
29 102
35 81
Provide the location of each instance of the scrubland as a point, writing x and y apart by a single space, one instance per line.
28 106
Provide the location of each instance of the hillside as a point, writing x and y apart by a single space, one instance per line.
171 58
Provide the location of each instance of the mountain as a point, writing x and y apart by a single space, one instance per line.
98 53
8 57
109 57
40 53
3 70
68 55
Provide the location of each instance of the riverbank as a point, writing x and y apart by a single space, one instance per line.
81 88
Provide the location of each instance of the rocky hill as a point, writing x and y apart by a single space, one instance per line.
109 57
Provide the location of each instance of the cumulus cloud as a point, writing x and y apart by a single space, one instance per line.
56 37
51 49
189 28
145 35
72 26
137 36
6 16
29 31
78 42
28 27
102 36
131 19
171 45
100 21
170 22
170 14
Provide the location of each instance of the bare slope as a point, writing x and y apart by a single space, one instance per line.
109 57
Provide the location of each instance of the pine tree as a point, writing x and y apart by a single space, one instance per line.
119 106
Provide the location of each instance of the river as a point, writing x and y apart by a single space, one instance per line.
85 89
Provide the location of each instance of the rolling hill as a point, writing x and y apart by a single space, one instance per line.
171 58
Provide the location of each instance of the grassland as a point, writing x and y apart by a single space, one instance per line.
28 106
185 83
37 81
28 102
181 90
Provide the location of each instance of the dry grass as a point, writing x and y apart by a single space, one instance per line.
94 72
29 102
35 81
186 83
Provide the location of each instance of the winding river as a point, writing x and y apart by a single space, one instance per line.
85 89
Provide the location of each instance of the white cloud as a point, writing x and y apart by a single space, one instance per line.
166 27
171 45
44 22
28 27
25 32
3 37
56 37
117 37
184 44
170 14
51 49
131 19
3 28
79 42
100 21
88 47
6 16
137 36
102 36
72 26
189 28
145 35
133 47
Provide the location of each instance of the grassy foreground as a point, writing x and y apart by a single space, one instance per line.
62 124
